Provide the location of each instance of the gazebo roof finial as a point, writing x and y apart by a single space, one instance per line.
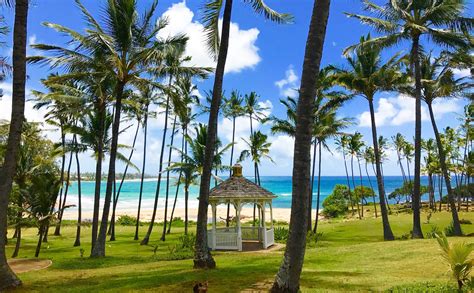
237 170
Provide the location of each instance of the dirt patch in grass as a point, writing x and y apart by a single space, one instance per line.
23 265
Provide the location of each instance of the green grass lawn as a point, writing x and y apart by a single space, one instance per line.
351 256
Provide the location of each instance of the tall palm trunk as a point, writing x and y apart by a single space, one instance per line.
98 170
117 195
63 166
7 276
202 257
99 248
163 235
348 182
146 239
387 230
310 198
230 172
361 185
186 184
57 231
318 196
18 223
371 187
79 197
444 169
288 276
145 129
177 189
416 231
399 161
353 184
431 190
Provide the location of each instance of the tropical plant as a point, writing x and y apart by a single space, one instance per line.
440 21
337 203
218 44
457 255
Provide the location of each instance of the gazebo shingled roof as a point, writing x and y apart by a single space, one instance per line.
238 187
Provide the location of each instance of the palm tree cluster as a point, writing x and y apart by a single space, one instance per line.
117 74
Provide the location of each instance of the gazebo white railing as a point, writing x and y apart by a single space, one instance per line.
239 191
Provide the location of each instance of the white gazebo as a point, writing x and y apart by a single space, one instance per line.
238 191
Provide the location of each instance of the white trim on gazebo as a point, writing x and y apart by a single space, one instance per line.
239 191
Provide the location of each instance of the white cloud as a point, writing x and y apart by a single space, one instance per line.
288 86
243 53
462 72
399 110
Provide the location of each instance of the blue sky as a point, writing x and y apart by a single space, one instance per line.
264 57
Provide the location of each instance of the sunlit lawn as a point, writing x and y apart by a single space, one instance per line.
351 256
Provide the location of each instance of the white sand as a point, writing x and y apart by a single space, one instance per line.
279 214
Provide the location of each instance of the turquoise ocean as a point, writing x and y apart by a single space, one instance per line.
279 185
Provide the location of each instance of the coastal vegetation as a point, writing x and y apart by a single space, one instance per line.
120 74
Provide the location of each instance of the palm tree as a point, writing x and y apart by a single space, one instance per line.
148 95
257 148
253 109
399 143
355 146
129 49
429 146
436 83
8 278
343 145
369 158
192 164
232 109
218 44
366 76
440 21
187 91
288 276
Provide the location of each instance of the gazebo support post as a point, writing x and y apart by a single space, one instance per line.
239 228
214 223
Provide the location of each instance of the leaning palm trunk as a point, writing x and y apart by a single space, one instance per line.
8 279
348 182
310 199
177 188
447 179
117 195
165 218
202 257
288 276
99 248
79 197
416 231
318 197
227 220
371 187
57 231
354 185
146 239
145 129
362 198
387 230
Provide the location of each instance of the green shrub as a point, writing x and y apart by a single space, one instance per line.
449 230
465 222
126 220
336 204
281 234
186 242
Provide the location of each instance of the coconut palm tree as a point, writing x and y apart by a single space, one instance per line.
253 109
369 158
288 276
398 143
367 75
355 147
232 109
218 44
192 164
8 278
258 148
130 50
342 143
440 21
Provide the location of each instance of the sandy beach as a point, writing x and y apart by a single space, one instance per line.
279 214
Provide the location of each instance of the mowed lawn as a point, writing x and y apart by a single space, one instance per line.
351 256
